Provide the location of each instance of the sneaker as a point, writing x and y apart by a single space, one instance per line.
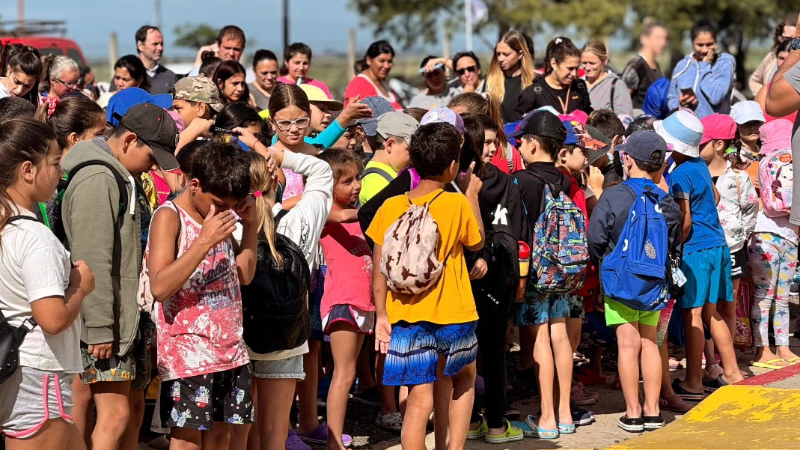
511 413
653 422
631 425
511 434
390 422
479 432
581 396
590 377
369 397
293 442
320 436
581 417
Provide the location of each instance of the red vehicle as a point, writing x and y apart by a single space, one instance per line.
30 33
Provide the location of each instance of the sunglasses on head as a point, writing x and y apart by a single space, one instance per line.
466 69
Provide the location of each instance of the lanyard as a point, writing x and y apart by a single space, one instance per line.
565 105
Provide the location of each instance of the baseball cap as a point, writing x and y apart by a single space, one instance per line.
197 89
316 95
541 123
682 131
443 115
595 143
575 116
747 111
718 126
123 100
153 125
571 138
379 107
398 124
642 146
775 135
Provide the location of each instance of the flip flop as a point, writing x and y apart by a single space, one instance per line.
770 364
793 361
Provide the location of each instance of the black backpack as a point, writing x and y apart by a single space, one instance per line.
275 303
51 212
11 337
495 292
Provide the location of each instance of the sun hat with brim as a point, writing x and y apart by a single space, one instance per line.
748 111
123 100
775 135
718 126
316 95
682 132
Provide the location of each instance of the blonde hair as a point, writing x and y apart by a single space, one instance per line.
597 48
261 181
495 79
485 104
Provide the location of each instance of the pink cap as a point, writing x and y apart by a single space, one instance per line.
575 116
775 135
718 126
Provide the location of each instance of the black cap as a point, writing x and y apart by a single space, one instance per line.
643 145
154 126
541 123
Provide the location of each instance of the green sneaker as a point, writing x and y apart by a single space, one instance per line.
510 435
480 431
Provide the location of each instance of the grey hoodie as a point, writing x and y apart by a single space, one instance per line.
600 94
109 240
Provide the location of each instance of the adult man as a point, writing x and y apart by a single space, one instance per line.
229 46
150 45
643 70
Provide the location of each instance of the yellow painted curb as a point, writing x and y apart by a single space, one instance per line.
734 417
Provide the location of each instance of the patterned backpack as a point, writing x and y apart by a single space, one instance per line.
410 249
775 175
560 255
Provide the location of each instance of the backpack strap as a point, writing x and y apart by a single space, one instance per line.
121 182
613 91
281 214
377 171
13 219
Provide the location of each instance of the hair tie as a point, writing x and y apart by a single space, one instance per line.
258 194
52 102
558 40
485 95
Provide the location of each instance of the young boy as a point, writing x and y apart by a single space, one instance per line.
110 237
636 330
542 318
430 336
393 134
195 270
706 259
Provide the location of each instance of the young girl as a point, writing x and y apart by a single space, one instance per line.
37 281
348 312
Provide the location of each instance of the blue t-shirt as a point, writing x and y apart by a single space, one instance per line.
692 181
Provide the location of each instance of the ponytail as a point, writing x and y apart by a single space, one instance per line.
261 188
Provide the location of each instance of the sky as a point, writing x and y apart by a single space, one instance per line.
322 24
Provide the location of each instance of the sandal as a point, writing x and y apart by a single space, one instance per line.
793 361
541 433
684 394
772 364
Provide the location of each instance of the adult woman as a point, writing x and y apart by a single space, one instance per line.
781 52
703 80
130 72
785 31
297 63
511 71
560 87
373 71
467 68
62 75
606 89
265 66
209 63
23 68
643 70
437 92
229 78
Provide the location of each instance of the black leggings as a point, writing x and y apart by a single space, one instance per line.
491 334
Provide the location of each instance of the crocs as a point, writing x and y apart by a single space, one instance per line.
511 434
541 433
480 432
293 442
320 436
566 428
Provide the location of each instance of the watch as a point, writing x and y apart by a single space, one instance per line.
794 44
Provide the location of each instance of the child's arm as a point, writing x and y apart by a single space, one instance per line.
349 215
198 128
383 329
749 208
686 225
246 252
599 230
55 314
167 274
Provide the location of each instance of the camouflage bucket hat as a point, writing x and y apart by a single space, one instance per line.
197 89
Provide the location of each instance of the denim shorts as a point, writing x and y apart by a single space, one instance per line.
289 368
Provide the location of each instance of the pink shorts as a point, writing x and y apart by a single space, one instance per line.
30 398
364 321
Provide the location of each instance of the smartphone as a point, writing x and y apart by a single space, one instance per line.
688 91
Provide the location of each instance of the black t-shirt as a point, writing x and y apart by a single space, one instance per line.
531 183
513 86
541 94
639 76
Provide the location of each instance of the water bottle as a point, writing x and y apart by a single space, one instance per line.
524 267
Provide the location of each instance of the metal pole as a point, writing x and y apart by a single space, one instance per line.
21 12
112 51
157 17
351 51
285 23
468 23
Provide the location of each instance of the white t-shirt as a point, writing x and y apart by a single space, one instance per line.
35 265
3 91
777 225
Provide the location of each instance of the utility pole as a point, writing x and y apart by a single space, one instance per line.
157 16
468 23
21 11
285 23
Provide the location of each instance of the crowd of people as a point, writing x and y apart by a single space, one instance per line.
236 243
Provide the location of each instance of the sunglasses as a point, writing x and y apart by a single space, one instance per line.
466 69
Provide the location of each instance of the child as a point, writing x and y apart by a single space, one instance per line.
430 336
543 317
37 281
111 238
706 259
773 258
195 271
393 134
749 118
348 312
636 330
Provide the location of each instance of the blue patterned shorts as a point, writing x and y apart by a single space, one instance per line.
414 351
540 309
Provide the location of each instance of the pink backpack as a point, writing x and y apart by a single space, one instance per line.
775 174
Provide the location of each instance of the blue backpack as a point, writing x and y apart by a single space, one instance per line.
636 272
